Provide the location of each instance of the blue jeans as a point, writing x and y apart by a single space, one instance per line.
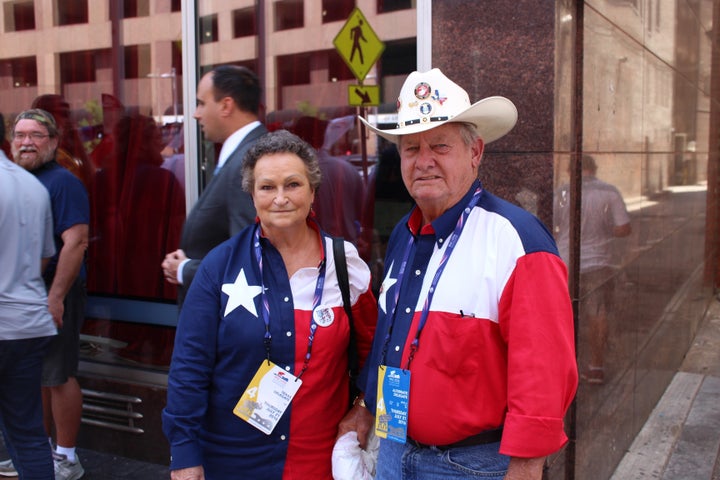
408 462
21 416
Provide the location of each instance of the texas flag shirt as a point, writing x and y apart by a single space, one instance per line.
497 348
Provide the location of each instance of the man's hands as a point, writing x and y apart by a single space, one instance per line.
360 420
525 468
170 265
191 473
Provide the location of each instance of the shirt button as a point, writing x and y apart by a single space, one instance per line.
397 348
282 437
287 299
289 334
407 310
287 368
440 241
417 272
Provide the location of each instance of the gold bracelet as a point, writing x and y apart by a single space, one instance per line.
359 401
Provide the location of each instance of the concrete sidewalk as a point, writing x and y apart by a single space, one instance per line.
105 466
681 438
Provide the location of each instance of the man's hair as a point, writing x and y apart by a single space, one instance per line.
588 163
280 141
239 83
42 117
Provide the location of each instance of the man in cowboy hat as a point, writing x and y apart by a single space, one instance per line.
474 351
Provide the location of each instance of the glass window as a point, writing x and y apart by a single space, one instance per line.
135 8
293 70
120 109
19 16
137 61
244 22
71 12
209 29
77 67
289 14
337 68
334 10
23 72
385 6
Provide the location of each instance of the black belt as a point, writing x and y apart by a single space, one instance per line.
482 438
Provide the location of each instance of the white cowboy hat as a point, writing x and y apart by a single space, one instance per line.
430 99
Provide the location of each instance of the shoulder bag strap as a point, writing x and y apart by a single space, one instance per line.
344 283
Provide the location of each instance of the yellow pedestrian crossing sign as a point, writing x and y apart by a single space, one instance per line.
358 44
364 95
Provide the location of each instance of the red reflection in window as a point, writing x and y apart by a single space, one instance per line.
71 12
23 71
244 22
22 17
289 14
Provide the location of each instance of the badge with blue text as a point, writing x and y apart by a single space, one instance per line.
393 396
267 397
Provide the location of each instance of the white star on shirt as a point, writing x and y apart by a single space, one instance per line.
241 294
387 283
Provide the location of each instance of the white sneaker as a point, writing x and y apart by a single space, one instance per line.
7 469
66 470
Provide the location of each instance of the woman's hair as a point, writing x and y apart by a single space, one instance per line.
280 141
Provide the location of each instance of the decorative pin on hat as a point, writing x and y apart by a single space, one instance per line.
430 99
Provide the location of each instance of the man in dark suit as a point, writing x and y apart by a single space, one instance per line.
228 101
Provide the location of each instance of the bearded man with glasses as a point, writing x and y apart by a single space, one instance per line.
35 139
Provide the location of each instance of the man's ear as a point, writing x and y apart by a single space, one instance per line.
477 150
227 105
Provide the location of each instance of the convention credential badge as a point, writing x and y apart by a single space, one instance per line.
393 394
267 397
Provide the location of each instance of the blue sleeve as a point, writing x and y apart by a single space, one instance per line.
70 204
191 370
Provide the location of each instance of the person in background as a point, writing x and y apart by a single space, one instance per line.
265 310
4 144
603 219
228 102
472 367
26 325
34 145
338 204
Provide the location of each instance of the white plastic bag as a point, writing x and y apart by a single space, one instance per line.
350 462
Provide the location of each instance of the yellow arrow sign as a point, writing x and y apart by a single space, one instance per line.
358 44
364 96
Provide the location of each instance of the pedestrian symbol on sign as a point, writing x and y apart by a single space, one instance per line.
357 35
358 45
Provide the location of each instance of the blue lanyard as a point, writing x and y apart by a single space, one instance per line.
452 242
317 299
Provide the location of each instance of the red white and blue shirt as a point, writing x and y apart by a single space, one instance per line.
219 346
497 347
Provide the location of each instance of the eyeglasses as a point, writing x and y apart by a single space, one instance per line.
34 136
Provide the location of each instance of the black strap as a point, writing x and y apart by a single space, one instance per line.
344 284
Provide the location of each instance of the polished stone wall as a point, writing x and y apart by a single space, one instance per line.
645 106
506 48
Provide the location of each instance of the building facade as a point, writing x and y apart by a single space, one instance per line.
633 83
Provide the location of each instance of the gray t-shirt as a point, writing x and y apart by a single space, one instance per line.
27 237
602 209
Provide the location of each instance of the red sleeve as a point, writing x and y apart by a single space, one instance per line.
365 317
536 321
